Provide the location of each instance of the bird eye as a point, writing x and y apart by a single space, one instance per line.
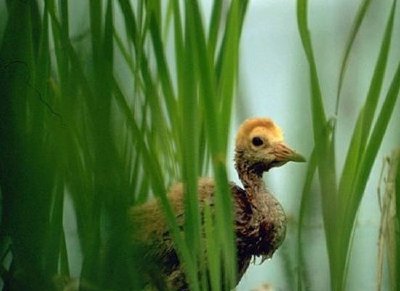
257 141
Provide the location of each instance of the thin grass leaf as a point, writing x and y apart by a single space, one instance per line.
71 53
124 51
322 138
190 176
212 250
108 44
64 261
362 9
376 139
229 64
222 197
95 164
96 11
150 87
378 76
179 46
26 182
318 111
363 161
352 158
153 170
183 63
302 276
167 22
189 146
214 26
55 230
163 71
239 22
367 113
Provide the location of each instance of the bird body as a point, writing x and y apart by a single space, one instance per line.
260 221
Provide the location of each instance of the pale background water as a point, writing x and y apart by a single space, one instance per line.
274 82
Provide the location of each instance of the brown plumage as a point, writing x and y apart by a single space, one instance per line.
260 222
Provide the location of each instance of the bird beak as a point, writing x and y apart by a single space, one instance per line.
285 154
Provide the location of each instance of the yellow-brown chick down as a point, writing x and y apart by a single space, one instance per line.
260 222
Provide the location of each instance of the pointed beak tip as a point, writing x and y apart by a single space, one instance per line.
296 157
299 158
287 154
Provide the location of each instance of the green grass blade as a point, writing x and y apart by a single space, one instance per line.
189 141
108 44
319 118
350 41
179 45
26 159
144 71
359 162
305 198
124 51
378 76
376 139
214 26
229 65
352 160
116 146
218 153
322 137
163 71
156 178
64 261
239 20
70 53
213 250
186 147
366 115
54 239
96 26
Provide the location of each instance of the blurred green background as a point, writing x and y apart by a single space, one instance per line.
107 103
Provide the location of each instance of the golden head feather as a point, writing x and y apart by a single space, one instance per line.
258 127
261 140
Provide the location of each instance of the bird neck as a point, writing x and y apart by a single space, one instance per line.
250 175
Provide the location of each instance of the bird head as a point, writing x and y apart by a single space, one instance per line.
260 143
